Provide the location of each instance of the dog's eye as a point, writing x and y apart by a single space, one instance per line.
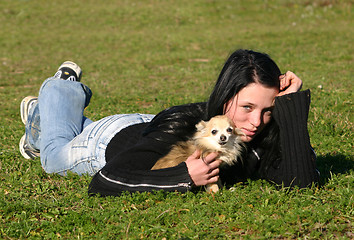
229 130
214 132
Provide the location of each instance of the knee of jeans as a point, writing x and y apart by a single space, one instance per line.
54 158
47 82
47 162
76 89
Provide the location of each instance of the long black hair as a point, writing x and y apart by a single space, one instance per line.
242 68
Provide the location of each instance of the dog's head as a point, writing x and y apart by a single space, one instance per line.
217 133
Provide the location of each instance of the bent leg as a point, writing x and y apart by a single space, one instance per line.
86 153
61 106
70 141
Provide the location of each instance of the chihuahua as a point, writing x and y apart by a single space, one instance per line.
219 134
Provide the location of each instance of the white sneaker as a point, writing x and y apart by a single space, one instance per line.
26 105
25 149
69 71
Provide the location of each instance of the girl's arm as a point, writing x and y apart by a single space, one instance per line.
130 170
114 182
298 161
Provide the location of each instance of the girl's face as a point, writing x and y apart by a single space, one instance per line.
250 109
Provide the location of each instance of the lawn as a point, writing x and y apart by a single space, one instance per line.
144 56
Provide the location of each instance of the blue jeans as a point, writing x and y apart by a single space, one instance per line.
67 140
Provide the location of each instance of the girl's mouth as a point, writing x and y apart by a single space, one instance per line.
248 132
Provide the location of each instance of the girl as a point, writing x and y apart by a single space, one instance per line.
120 150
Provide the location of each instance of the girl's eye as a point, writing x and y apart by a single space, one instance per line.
214 132
247 107
229 130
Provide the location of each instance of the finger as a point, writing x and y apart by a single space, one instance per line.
282 76
213 179
296 80
210 157
196 154
215 164
290 76
281 81
214 172
285 81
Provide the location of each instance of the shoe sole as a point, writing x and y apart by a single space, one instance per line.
24 152
24 107
76 68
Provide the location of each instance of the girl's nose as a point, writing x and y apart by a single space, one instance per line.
255 119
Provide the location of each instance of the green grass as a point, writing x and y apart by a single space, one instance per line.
143 56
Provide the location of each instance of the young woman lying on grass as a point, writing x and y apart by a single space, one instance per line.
120 150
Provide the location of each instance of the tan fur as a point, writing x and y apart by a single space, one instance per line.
207 142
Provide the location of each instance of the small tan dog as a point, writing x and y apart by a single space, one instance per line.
219 134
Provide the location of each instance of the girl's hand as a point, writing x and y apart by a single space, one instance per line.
289 83
203 171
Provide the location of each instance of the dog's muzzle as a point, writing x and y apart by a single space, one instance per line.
223 140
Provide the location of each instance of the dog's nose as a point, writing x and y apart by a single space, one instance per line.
223 138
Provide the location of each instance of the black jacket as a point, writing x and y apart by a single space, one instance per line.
134 150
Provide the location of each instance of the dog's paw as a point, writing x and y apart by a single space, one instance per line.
212 188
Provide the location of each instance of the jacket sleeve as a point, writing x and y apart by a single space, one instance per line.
129 170
297 165
137 148
113 183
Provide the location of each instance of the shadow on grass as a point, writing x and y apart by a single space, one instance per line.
334 164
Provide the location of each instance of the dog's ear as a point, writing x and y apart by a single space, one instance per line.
201 126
